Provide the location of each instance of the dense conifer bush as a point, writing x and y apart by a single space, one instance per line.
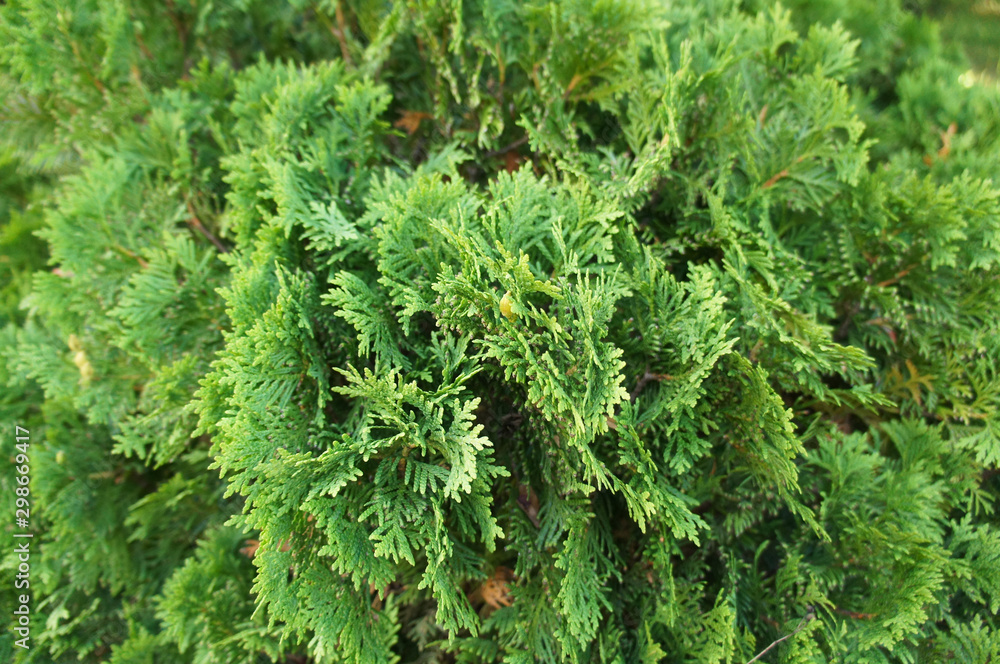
601 331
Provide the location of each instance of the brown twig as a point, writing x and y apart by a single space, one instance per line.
775 178
340 35
338 31
572 84
146 53
86 69
511 146
179 26
802 623
646 377
899 275
196 224
855 614
131 254
762 116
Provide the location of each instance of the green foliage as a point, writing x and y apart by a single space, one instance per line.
490 331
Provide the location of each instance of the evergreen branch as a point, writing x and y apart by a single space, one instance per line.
407 318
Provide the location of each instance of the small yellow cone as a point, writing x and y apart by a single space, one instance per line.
505 303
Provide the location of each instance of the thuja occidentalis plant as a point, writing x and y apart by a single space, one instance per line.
608 331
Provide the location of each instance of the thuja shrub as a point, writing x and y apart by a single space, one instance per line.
501 332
